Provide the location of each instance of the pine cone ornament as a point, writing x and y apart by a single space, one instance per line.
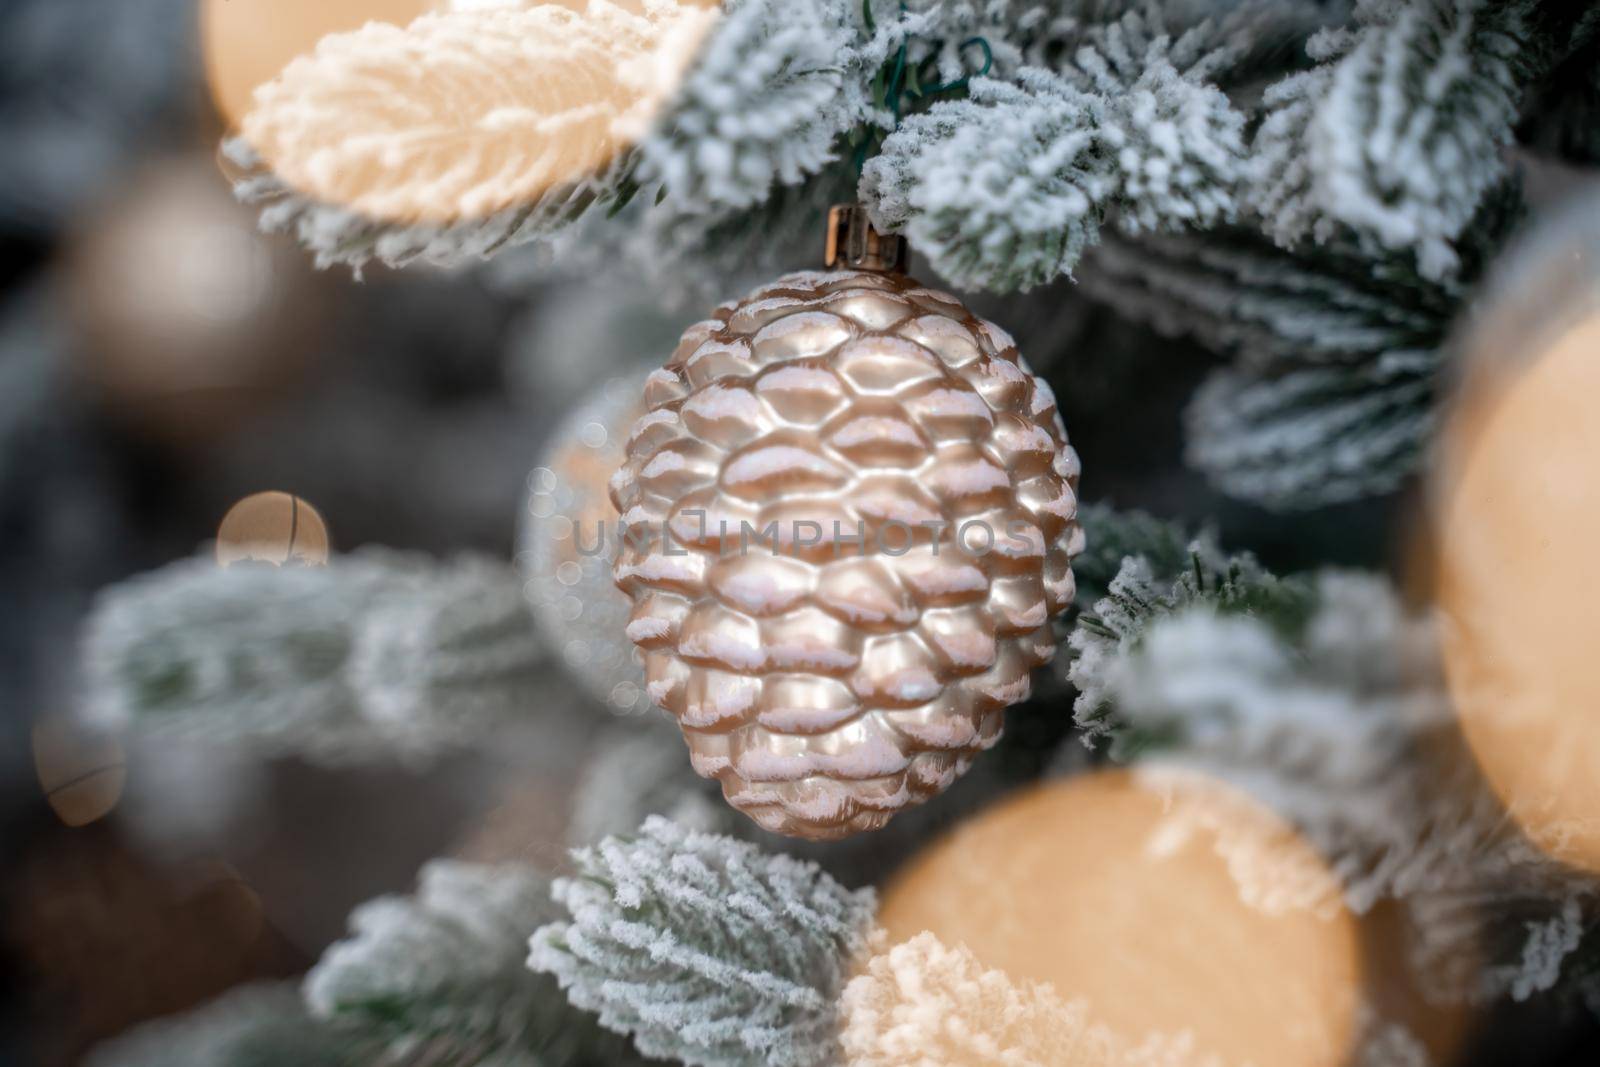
847 519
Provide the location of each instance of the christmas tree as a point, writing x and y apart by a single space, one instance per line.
1121 595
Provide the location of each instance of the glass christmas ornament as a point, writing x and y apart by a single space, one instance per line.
848 517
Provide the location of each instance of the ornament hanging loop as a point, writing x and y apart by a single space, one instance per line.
854 244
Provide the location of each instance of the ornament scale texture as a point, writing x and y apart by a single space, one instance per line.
848 516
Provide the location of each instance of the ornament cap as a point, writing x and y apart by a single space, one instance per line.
855 244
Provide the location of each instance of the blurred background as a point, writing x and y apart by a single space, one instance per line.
160 361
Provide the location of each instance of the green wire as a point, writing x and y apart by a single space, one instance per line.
903 84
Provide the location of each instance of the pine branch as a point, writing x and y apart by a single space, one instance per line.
469 130
768 99
335 235
1312 437
1113 629
1338 356
1112 535
1006 190
254 1026
378 655
1324 700
1397 137
1252 36
692 254
776 95
1240 295
704 949
444 973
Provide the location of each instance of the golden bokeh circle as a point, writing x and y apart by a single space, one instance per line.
1183 907
81 772
1518 581
273 527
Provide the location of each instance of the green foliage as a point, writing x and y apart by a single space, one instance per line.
704 949
1006 189
1111 535
1398 135
336 235
1146 590
1338 357
379 655
444 971
253 1026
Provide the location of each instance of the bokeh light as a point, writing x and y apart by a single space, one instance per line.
248 42
1517 529
82 772
1174 907
186 318
272 527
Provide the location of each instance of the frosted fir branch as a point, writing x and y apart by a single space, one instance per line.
698 256
1116 625
1240 295
379 655
1340 723
770 95
778 91
254 1026
1398 135
1312 437
1249 36
704 949
1005 190
1338 357
442 974
335 235
1111 536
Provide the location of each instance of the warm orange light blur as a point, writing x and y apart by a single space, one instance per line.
1518 553
185 321
1183 907
82 772
272 528
247 42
